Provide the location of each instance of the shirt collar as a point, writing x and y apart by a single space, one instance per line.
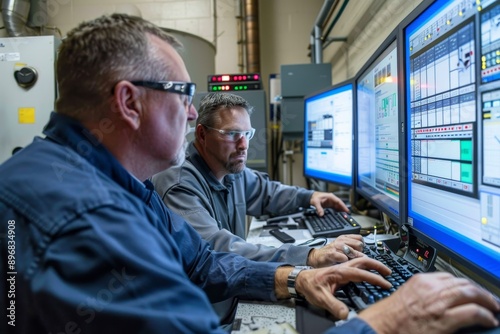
194 157
67 131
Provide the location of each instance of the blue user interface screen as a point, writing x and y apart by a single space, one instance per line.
453 129
328 142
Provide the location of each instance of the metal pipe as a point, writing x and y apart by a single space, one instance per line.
240 38
317 52
312 53
318 46
323 13
337 17
252 35
15 14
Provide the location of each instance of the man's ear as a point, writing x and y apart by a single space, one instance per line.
201 133
127 103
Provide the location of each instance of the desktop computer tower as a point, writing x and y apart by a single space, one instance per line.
258 147
298 81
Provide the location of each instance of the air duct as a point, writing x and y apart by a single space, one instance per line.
251 13
21 16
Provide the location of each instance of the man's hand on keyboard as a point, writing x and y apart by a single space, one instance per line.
322 200
318 285
433 303
336 251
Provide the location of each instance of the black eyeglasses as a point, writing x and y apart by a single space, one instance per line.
177 87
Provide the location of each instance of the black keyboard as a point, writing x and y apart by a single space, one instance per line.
331 225
364 294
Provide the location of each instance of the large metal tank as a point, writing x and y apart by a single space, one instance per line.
198 55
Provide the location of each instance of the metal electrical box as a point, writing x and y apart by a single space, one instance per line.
298 81
27 96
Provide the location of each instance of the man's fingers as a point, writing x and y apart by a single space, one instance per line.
352 240
337 308
358 270
468 315
370 264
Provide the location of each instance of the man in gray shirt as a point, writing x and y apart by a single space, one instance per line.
214 190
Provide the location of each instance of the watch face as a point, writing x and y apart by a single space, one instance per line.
26 77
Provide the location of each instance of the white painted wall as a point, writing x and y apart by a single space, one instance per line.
285 30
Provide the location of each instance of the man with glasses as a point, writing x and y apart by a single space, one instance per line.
214 191
85 245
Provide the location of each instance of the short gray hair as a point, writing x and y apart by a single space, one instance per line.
99 53
213 102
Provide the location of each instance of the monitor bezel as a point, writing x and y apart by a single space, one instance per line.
393 37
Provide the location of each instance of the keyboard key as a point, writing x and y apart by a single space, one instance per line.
363 294
332 224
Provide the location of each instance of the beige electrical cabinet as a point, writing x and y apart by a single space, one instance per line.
27 89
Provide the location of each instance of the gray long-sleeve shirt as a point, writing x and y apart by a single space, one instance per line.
218 211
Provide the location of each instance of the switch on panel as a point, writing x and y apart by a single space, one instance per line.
26 77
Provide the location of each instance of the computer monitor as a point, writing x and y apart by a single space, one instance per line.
377 130
328 141
490 40
453 134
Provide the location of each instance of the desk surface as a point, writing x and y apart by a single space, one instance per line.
258 235
264 317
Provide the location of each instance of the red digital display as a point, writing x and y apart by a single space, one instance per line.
249 77
234 82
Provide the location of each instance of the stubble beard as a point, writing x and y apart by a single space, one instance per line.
236 167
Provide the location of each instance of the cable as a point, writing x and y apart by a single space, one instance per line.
276 160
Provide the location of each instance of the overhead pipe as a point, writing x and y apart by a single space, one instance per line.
240 37
330 27
15 15
317 38
316 46
251 18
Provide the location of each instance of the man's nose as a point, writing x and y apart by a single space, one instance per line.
242 143
192 113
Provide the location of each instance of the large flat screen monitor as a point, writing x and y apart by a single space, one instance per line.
453 134
490 43
377 130
328 141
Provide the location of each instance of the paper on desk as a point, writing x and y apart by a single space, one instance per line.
264 318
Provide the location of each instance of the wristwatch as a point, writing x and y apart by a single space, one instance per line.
290 282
